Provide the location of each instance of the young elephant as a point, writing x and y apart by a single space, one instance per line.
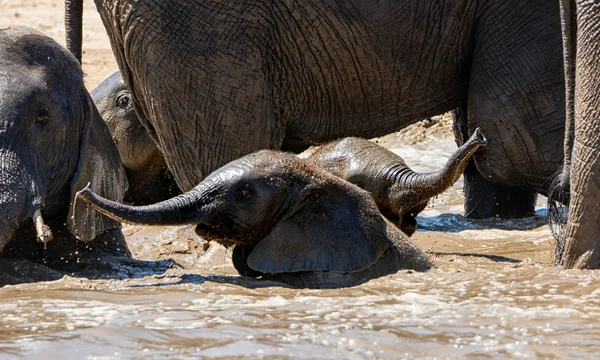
399 192
149 179
289 221
52 143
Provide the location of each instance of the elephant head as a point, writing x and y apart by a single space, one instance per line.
400 193
291 216
52 140
113 101
149 179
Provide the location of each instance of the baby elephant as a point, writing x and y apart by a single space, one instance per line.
52 143
149 179
289 221
399 192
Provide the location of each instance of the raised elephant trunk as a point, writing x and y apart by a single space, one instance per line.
74 26
418 187
187 208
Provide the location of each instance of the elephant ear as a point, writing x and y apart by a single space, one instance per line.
100 166
331 229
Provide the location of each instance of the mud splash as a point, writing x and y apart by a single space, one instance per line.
493 294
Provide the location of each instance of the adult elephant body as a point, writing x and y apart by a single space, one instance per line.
217 80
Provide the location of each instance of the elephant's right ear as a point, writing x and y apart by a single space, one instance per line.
100 166
335 227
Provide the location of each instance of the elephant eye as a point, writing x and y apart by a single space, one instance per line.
244 193
123 101
42 116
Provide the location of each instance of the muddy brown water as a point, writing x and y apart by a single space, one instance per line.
494 293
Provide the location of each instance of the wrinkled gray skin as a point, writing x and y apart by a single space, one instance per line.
52 143
250 75
400 193
581 21
289 221
149 179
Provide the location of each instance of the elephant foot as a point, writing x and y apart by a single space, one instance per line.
484 199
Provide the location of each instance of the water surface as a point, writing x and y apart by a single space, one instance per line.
494 293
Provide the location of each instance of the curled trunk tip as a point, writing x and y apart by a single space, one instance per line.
420 187
479 137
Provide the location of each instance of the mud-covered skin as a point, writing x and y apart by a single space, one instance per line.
149 179
291 74
52 143
399 192
581 21
292 221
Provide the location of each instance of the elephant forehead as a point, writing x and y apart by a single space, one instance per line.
28 49
230 172
110 86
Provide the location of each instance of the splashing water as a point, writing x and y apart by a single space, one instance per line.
494 293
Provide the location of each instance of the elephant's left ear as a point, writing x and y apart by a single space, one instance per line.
99 165
333 228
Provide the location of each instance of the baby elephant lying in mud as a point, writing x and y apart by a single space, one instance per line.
52 143
149 179
288 220
400 193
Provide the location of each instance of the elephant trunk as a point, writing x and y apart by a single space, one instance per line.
73 27
20 196
420 187
187 208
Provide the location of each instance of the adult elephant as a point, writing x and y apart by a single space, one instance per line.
220 79
581 21
53 142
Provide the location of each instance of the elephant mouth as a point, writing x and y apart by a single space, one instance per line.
207 232
217 233
227 233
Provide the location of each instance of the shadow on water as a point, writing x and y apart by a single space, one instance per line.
196 279
494 258
453 223
21 271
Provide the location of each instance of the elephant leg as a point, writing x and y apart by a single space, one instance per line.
517 97
486 199
582 249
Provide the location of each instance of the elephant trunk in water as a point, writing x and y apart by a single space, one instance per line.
416 188
73 26
187 208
